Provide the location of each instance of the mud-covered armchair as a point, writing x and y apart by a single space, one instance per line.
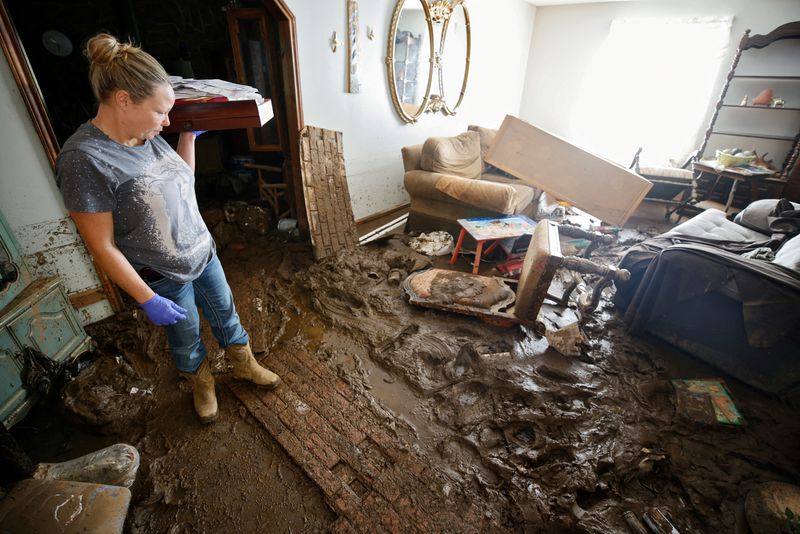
727 292
447 179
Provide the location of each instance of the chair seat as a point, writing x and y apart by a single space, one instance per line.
673 173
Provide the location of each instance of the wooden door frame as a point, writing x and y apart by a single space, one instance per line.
290 78
27 84
290 75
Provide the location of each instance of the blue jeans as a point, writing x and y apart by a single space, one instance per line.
209 292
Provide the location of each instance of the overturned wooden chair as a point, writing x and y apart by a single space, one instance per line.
496 300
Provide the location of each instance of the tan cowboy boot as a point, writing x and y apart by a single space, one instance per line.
205 398
245 367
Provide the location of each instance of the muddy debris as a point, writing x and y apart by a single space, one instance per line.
540 438
567 340
539 441
109 395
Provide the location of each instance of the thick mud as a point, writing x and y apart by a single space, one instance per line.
543 441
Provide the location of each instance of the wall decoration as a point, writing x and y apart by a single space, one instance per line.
412 58
353 83
335 42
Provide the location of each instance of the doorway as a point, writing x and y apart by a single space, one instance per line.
43 41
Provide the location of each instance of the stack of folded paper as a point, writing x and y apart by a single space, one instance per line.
190 90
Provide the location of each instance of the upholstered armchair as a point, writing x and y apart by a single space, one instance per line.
447 180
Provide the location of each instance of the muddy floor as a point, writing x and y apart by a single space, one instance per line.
544 442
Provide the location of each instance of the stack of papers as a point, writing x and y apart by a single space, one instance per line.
201 90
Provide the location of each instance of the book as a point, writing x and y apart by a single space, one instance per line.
707 400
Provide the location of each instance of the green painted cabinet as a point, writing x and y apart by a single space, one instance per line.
35 313
14 274
12 393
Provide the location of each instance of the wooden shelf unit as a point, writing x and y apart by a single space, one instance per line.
778 134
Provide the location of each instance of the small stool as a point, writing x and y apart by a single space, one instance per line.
484 229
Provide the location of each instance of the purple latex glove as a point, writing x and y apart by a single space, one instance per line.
162 312
198 133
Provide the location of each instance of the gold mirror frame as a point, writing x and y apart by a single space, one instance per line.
431 103
440 100
398 106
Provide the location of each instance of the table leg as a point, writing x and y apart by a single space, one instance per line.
753 188
458 246
730 195
492 247
477 264
710 192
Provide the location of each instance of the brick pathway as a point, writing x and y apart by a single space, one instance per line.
371 479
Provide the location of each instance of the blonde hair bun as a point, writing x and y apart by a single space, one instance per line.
103 48
137 73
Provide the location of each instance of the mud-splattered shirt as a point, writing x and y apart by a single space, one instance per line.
148 189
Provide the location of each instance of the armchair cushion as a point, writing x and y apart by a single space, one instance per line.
454 156
789 255
756 215
487 195
712 224
487 136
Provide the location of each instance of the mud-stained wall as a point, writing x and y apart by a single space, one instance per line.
32 205
53 248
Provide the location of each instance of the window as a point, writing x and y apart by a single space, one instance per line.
651 84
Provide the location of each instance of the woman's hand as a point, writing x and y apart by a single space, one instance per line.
162 311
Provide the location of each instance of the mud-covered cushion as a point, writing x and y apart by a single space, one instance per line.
486 136
454 156
486 195
789 255
712 224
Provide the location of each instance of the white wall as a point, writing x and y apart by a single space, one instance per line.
373 133
31 203
565 39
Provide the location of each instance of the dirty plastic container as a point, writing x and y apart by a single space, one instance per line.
287 225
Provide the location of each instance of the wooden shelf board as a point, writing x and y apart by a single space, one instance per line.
754 136
765 77
219 115
758 107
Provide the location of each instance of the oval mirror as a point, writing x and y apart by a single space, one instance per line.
409 58
454 50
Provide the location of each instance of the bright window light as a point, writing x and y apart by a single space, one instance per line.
651 85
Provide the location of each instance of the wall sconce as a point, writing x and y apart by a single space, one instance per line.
440 11
335 42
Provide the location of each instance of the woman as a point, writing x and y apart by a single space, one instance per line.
132 198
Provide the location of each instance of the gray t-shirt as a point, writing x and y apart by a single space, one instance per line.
150 191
